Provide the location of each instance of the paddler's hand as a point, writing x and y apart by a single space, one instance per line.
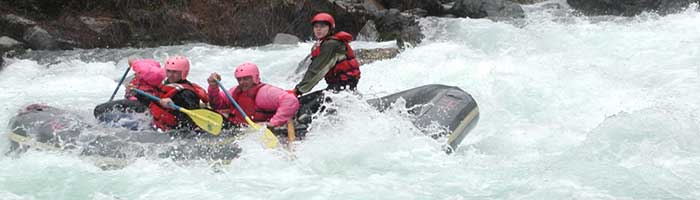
131 61
165 101
293 91
213 78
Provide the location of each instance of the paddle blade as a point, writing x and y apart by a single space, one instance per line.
269 140
207 120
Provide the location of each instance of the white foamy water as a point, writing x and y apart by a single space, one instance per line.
571 108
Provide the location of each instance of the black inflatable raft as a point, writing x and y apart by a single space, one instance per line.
50 128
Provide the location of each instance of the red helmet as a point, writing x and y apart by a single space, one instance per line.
247 69
323 17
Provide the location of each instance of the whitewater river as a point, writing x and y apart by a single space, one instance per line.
571 108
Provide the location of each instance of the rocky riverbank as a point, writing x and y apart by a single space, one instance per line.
86 24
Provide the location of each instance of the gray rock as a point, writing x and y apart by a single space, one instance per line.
627 7
432 7
366 56
108 32
96 24
14 25
393 25
495 9
40 39
10 47
283 38
527 1
8 43
15 19
372 6
368 33
418 12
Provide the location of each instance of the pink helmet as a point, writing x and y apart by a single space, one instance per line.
153 76
247 69
141 65
178 63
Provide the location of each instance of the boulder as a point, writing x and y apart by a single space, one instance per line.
368 33
39 39
10 46
432 7
283 38
14 25
494 9
394 25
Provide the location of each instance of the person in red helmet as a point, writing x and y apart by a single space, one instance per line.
332 58
178 90
261 102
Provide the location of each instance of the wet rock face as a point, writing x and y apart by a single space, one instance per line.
495 9
627 7
66 24
433 7
394 25
368 33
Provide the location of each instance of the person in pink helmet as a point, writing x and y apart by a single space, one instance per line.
148 77
178 90
261 102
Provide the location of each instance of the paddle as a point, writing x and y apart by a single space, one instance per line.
120 83
208 120
269 140
291 135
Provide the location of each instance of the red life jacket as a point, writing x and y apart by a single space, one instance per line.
162 117
343 69
246 99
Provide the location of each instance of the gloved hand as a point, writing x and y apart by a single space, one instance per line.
293 92
164 102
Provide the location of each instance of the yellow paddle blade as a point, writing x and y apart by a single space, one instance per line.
207 120
269 140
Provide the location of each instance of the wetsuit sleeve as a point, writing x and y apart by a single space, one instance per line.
216 97
288 105
320 65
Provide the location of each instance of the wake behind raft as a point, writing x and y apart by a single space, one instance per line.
48 128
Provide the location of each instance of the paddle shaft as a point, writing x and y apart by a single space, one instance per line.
207 120
120 83
171 104
240 110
